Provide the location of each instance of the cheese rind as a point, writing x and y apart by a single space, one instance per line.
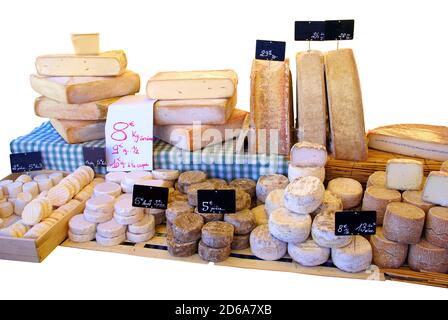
355 257
348 190
274 201
213 254
187 227
217 234
424 256
110 229
387 254
73 131
265 246
181 249
308 253
436 188
416 199
297 172
377 179
304 195
377 199
306 154
436 227
403 223
289 227
346 115
241 242
404 174
323 232
268 183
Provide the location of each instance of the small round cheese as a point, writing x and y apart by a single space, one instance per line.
181 249
110 242
40 177
35 211
240 241
124 208
243 221
243 200
444 167
97 217
192 191
108 188
159 215
56 177
209 217
32 188
130 219
81 238
260 215
59 195
427 257
247 185
348 190
274 200
377 199
323 232
387 254
217 234
213 254
146 225
165 174
140 237
101 203
331 203
403 223
377 179
177 208
307 154
6 210
188 178
44 184
115 177
436 228
308 253
289 227
187 227
110 229
14 189
4 185
24 178
265 246
268 183
304 195
218 183
299 172
80 226
416 199
21 201
355 257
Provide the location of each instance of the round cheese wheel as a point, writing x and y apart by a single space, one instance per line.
192 191
14 189
377 179
416 199
260 215
6 210
243 200
24 178
80 226
140 237
274 200
265 246
403 223
444 167
130 219
323 232
107 188
299 172
181 249
217 234
436 228
155 183
218 183
355 257
289 227
188 178
308 154
56 177
308 253
387 254
81 238
304 195
115 177
268 183
32 188
86 169
124 208
377 199
69 186
209 217
331 203
44 184
240 241
4 185
247 185
165 174
348 190
425 256
97 217
177 208
243 221
96 182
110 229
110 242
82 178
187 227
146 225
21 201
159 216
177 196
213 254
101 203
59 195
34 212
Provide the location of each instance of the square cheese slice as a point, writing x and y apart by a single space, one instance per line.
106 64
73 131
191 138
76 90
181 85
205 111
404 174
436 188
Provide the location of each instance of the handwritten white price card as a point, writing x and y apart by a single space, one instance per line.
129 134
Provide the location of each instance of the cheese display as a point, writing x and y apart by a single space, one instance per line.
404 174
269 183
377 199
346 115
271 107
377 179
355 257
306 154
403 223
387 254
304 195
436 227
308 253
436 188
265 246
348 190
414 140
311 98
424 256
289 227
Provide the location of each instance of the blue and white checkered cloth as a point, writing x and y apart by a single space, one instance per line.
219 161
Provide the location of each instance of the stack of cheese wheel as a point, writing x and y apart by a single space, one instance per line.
243 223
216 242
185 234
307 159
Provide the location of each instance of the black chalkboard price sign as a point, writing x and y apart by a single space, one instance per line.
349 223
216 201
270 50
26 162
150 197
309 31
339 29
94 157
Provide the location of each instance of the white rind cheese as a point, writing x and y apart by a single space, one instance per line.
289 227
299 172
355 257
80 226
304 195
274 201
348 190
265 246
308 253
323 232
268 183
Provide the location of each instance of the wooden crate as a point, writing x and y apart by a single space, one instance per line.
36 250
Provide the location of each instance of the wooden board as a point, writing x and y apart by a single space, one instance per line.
377 161
423 278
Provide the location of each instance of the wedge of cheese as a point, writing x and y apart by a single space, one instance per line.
311 98
346 115
191 138
86 43
214 84
76 90
79 131
52 109
112 63
205 111
271 107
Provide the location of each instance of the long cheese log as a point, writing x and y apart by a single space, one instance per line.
271 105
346 115
311 98
79 131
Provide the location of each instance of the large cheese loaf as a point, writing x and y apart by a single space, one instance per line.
265 246
436 228
355 257
427 257
346 115
76 90
196 137
414 140
271 106
106 64
210 84
289 227
308 253
404 174
311 97
204 111
377 199
74 131
403 223
436 188
387 254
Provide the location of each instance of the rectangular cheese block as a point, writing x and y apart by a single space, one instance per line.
48 108
211 84
76 90
346 114
271 107
106 64
404 174
205 111
73 131
436 188
414 140
191 138
86 43
311 98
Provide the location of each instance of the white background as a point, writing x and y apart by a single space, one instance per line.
401 54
